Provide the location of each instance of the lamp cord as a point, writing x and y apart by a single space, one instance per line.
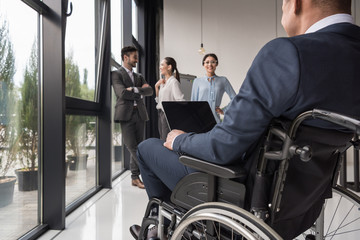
201 22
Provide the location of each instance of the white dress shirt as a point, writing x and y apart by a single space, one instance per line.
170 91
131 75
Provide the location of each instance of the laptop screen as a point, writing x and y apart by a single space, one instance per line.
189 116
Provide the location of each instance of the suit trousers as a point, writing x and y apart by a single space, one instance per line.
162 125
160 168
133 133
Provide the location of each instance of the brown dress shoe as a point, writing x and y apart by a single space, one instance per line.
137 182
151 233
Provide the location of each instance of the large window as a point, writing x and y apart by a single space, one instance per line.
118 147
116 46
80 156
19 121
116 29
134 20
81 79
80 46
54 108
117 160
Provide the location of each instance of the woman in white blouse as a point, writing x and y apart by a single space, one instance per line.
167 89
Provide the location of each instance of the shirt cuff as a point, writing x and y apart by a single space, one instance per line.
172 144
136 90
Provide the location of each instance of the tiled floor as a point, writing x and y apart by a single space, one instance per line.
108 215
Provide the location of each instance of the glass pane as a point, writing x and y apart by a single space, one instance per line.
80 155
80 52
116 29
134 20
19 79
118 150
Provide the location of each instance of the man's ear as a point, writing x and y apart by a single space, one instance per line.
298 6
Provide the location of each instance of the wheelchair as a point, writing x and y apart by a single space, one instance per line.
286 189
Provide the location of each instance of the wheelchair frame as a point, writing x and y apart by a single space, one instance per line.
180 216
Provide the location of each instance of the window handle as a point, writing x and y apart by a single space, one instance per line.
68 14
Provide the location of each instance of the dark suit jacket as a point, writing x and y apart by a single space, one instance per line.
125 99
289 76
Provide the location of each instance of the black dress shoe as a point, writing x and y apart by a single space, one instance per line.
151 233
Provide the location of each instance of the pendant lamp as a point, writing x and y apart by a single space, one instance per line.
202 49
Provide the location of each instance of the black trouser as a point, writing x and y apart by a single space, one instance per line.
133 134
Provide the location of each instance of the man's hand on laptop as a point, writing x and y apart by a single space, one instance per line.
170 138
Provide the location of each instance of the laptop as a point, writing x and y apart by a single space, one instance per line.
189 116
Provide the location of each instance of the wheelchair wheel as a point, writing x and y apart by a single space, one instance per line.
340 218
223 221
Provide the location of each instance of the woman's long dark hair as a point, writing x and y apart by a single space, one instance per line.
172 62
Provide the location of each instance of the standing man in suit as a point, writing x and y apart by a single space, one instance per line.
317 66
130 89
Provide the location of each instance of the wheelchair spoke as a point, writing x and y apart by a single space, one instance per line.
341 217
332 219
340 226
335 232
342 233
345 225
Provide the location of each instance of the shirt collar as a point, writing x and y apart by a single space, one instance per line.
333 19
212 77
128 71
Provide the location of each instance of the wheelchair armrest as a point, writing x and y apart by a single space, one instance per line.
339 119
229 171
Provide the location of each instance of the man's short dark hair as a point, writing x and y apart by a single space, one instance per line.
341 5
127 50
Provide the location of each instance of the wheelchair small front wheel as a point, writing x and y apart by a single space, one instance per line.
224 221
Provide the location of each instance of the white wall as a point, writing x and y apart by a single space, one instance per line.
234 30
356 11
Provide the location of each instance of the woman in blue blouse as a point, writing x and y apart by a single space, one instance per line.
211 87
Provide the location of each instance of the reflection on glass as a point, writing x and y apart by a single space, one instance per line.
118 151
19 79
116 29
80 155
80 51
134 20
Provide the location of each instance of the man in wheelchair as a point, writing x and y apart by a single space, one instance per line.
317 66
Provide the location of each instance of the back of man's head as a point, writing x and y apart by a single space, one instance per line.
338 6
300 15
